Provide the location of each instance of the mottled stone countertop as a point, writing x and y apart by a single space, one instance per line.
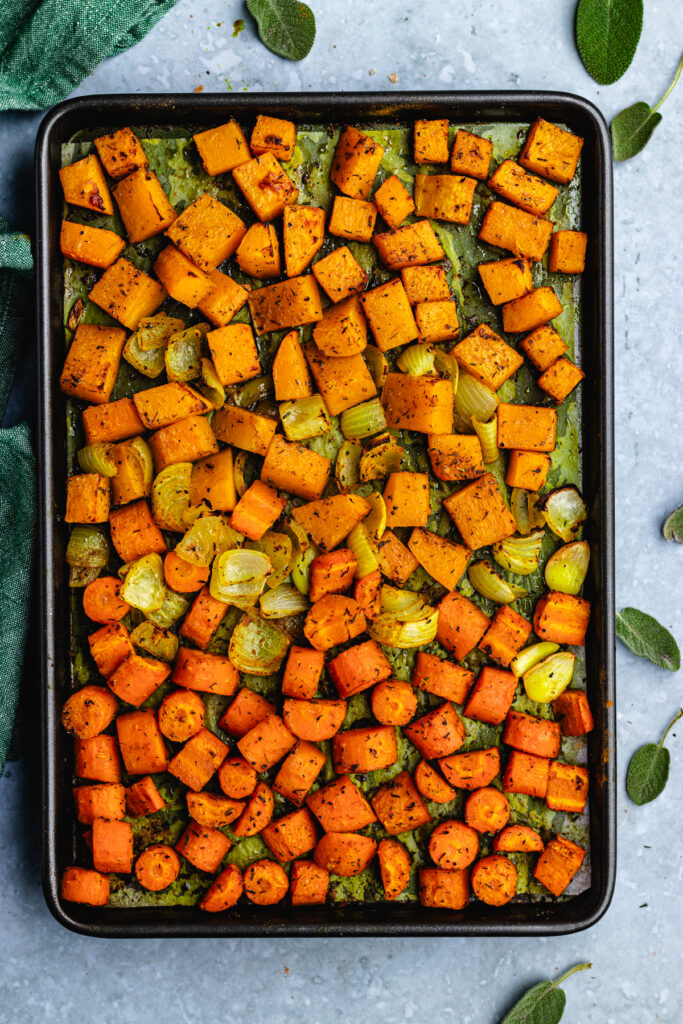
48 974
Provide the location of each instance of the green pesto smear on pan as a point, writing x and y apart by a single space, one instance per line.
176 162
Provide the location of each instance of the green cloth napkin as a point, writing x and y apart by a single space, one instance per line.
47 48
17 480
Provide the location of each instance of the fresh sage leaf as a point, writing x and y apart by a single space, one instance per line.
632 129
673 526
286 27
607 35
542 1004
647 638
648 770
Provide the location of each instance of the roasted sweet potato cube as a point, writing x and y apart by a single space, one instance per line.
506 636
425 284
121 152
223 148
258 254
410 246
394 201
461 624
399 806
207 232
456 456
291 303
303 231
567 252
567 788
572 711
134 532
343 330
518 186
265 186
437 321
562 618
92 363
530 428
234 353
471 154
95 246
144 206
343 381
84 185
273 135
531 310
396 561
505 280
485 356
183 281
431 141
339 274
543 346
557 865
480 513
551 151
444 197
87 498
527 470
389 315
508 227
424 404
526 773
223 299
353 219
560 379
355 163
127 293
406 496
491 696
444 561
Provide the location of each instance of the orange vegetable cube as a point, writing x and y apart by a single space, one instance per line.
222 149
157 407
567 788
144 206
442 678
572 711
134 532
257 510
355 163
527 774
266 743
298 771
308 883
560 379
203 847
203 618
212 483
394 201
480 513
551 151
527 470
290 303
516 185
444 197
406 496
182 280
343 330
94 246
410 246
506 636
567 252
184 441
196 761
112 846
533 735
508 227
424 404
127 293
92 363
543 346
243 429
141 743
136 678
431 141
527 427
444 560
396 561
331 573
293 468
84 184
291 836
461 624
442 888
121 152
340 274
273 135
506 279
291 377
223 299
531 310
389 315
109 646
80 885
438 733
425 284
303 231
456 456
399 806
343 381
105 800
557 865
364 750
87 498
111 421
341 807
207 232
437 321
358 668
491 696
471 154
143 798
562 618
265 186
302 672
234 353
97 758
258 254
486 357
353 219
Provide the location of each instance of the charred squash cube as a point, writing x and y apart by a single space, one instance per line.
484 355
273 135
567 252
340 274
394 201
560 379
84 185
531 310
389 315
508 227
121 152
265 186
444 197
92 363
471 155
518 186
127 293
505 280
543 346
223 299
355 164
527 470
182 280
480 513
437 321
410 246
425 284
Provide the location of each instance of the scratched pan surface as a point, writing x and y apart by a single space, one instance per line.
587 460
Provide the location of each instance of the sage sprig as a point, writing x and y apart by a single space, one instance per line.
544 1003
607 35
286 27
673 526
648 770
632 128
647 638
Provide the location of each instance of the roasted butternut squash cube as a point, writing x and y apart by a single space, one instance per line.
355 163
244 429
342 381
526 190
95 246
505 280
445 562
121 152
480 513
144 206
340 274
291 467
410 246
222 149
527 470
111 421
224 298
551 151
303 231
84 184
530 428
343 330
273 135
567 252
471 154
183 281
157 407
531 310
567 788
562 618
396 561
424 404
291 303
394 201
389 315
212 483
234 353
184 441
560 379
444 197
437 321
456 456
484 355
508 227
543 346
430 141
291 378
557 865
207 232
127 293
87 498
425 284
353 219
258 254
265 186
406 496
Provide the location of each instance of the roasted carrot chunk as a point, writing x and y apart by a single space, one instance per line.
207 673
573 712
266 743
491 696
431 785
258 812
453 845
393 702
80 885
438 733
506 636
358 668
444 889
364 750
526 773
472 770
291 836
333 620
112 846
196 762
302 672
237 778
480 513
203 847
314 720
344 853
143 798
340 806
103 800
157 867
533 735
442 678
461 624
224 891
89 711
487 810
308 883
265 883
97 758
298 771
246 711
399 806
181 715
494 880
